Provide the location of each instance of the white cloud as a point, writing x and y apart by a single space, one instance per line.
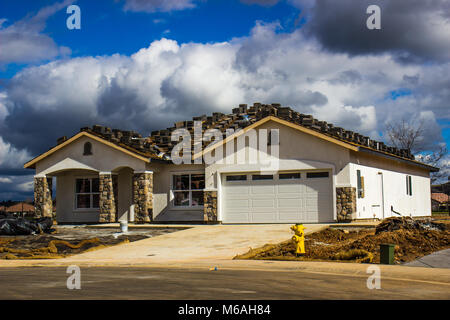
11 157
159 5
24 42
168 82
5 180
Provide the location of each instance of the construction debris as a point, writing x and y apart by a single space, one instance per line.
20 226
412 238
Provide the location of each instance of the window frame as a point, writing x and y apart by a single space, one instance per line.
75 204
408 185
173 191
360 184
318 172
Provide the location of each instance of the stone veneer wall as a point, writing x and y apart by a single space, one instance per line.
43 202
345 203
210 206
108 198
143 197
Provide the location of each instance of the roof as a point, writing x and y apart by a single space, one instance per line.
158 145
21 207
440 197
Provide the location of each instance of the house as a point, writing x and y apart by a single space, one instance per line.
2 209
439 201
21 208
323 173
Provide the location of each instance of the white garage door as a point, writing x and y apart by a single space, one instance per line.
295 197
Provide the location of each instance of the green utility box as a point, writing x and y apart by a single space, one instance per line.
387 253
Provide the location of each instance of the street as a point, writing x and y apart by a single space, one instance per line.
203 284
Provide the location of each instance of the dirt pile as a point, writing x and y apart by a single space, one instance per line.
413 239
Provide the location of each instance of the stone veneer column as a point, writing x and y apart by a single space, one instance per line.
210 206
107 197
143 196
345 203
43 202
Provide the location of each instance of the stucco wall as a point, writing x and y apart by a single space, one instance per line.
65 199
394 193
104 158
162 196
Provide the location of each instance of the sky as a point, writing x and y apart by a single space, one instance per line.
144 64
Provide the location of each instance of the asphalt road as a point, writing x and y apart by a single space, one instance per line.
151 283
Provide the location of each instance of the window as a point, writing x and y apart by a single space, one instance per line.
87 149
360 184
289 176
317 175
241 177
408 185
188 190
262 177
87 195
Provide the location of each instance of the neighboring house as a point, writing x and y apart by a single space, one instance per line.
325 174
21 208
2 209
439 201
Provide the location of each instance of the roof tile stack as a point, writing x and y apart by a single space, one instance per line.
160 141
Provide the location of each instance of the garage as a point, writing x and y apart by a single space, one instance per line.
285 197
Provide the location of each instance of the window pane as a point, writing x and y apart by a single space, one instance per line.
262 177
285 176
198 181
181 198
237 178
181 182
95 184
96 201
83 201
197 198
83 186
317 175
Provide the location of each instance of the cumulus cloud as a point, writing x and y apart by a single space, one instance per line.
168 82
159 5
411 30
24 42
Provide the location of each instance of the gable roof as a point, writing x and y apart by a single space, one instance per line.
85 133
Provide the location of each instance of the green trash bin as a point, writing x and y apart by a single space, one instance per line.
387 253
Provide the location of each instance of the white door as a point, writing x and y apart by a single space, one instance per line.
294 197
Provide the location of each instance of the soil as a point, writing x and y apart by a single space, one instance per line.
413 239
71 240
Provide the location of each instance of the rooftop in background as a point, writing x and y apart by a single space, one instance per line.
20 207
440 197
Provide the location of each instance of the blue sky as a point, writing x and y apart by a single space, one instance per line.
144 64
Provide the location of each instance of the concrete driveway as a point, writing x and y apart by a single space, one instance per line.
202 243
211 242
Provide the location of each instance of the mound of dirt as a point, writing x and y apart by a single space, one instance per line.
413 239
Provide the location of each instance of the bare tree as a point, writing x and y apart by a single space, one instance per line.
409 135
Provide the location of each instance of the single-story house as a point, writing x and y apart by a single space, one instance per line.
439 201
324 173
21 208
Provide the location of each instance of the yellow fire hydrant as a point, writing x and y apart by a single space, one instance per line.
299 238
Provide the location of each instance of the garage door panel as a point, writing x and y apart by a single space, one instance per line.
237 189
262 190
290 203
284 201
239 203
